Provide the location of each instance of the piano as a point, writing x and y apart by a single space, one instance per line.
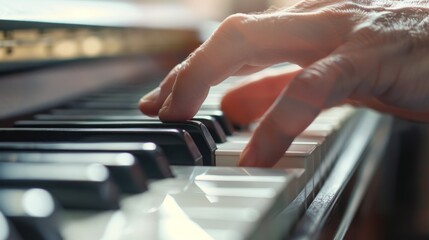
78 160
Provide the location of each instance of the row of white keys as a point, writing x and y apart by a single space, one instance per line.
307 151
299 155
199 203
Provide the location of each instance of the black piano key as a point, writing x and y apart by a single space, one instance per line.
150 157
33 212
97 112
221 119
7 230
197 130
85 186
103 105
93 117
178 145
126 115
130 103
213 126
130 113
124 168
217 130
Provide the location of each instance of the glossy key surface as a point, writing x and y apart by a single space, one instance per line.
149 156
177 144
33 212
197 130
74 186
123 167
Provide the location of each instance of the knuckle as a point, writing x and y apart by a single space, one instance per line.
234 23
408 44
364 33
275 124
233 33
235 19
342 6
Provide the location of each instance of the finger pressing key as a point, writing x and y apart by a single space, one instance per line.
321 85
242 43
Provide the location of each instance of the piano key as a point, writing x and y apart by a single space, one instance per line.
123 167
314 146
7 230
299 155
200 203
177 145
213 126
33 212
129 115
304 155
215 129
103 105
224 122
97 112
197 130
86 186
126 104
150 157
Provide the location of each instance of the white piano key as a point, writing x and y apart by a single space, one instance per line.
297 156
317 152
200 203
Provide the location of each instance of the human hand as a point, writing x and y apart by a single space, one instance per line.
374 53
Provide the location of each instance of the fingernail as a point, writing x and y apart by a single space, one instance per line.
150 97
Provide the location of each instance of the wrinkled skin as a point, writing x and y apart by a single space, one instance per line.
372 53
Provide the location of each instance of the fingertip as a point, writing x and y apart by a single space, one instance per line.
247 157
172 110
149 104
258 154
147 108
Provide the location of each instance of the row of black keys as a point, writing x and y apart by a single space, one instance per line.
117 150
189 143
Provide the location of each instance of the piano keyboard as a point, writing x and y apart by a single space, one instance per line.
95 168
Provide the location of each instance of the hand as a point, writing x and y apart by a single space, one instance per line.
373 53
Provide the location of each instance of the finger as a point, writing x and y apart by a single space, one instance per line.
219 57
249 101
322 85
248 69
152 102
255 40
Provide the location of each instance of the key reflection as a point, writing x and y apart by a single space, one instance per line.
177 223
38 203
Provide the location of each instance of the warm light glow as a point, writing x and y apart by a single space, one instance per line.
175 223
65 49
92 46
